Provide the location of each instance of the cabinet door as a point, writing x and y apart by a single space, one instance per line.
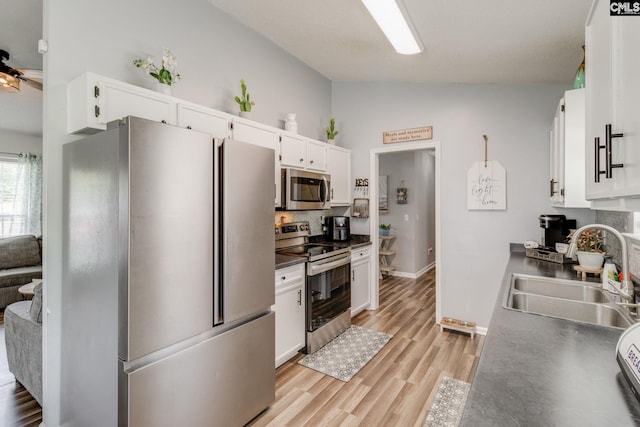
598 99
360 277
573 147
556 153
203 119
626 105
339 167
94 100
289 309
254 133
293 151
316 156
119 100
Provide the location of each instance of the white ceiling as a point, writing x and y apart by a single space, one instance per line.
484 41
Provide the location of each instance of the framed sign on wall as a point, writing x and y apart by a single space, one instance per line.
486 186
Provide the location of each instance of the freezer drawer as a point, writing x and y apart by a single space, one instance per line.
225 380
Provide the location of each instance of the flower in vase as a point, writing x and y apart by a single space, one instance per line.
166 73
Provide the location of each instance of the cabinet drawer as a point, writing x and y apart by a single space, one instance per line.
360 254
290 275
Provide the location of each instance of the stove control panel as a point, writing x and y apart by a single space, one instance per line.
292 229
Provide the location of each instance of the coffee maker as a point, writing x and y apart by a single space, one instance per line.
338 229
554 229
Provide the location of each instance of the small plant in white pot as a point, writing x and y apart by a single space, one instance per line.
331 131
245 102
591 249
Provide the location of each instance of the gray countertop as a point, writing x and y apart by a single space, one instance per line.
542 371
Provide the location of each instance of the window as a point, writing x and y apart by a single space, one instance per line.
20 194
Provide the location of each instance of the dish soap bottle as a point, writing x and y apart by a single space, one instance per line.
608 279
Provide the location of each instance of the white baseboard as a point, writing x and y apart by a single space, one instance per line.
481 330
417 275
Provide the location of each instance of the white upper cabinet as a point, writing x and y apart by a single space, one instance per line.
93 101
612 105
567 181
302 153
204 119
293 151
316 155
339 167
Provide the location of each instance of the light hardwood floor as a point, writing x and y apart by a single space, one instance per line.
397 386
17 407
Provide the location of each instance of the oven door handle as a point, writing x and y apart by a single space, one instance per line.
314 269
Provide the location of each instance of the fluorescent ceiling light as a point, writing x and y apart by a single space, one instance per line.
395 25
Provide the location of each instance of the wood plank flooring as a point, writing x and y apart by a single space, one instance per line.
17 407
397 387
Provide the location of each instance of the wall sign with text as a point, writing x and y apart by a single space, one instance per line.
487 186
406 135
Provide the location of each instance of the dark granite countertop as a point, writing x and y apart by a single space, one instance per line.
283 261
542 371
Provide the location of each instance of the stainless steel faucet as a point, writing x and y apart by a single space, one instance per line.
626 286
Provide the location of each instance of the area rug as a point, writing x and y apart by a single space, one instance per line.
448 405
346 354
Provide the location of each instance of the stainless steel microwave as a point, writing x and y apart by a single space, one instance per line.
304 190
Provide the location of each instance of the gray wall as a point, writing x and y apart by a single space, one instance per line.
214 51
516 118
417 233
16 142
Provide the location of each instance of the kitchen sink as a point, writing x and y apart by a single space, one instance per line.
565 299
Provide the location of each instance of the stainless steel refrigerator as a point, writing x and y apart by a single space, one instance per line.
167 278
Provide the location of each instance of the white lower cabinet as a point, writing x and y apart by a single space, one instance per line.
289 309
360 279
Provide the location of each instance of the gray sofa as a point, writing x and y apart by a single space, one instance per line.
23 338
20 263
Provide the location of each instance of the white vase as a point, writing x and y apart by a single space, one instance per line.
591 260
290 124
163 88
331 141
245 114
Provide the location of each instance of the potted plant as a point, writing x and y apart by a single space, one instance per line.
331 131
244 102
165 75
590 246
384 229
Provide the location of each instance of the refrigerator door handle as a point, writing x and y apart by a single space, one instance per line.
218 242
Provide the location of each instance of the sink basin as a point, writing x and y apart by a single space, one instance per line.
565 299
577 291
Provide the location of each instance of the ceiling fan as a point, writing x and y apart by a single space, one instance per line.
10 78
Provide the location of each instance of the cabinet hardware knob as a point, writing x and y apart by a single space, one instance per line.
163 121
284 277
189 127
301 160
311 162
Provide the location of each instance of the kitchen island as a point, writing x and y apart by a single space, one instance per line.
543 371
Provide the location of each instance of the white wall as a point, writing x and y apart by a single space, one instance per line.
16 142
424 198
475 244
214 51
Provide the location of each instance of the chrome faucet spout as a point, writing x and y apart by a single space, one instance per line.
626 286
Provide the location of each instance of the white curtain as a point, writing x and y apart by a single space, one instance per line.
28 196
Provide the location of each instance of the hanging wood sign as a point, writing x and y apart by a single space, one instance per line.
406 135
486 186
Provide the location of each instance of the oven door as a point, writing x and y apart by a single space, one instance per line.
305 190
328 291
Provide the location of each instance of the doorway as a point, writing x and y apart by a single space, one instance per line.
374 169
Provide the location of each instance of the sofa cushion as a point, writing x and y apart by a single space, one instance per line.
19 275
19 251
35 312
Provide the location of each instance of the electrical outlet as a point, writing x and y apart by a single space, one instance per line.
406 217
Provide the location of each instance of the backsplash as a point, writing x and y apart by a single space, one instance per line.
624 223
313 217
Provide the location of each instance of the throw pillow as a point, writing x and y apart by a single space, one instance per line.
36 304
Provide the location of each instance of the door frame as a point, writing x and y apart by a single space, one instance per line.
374 167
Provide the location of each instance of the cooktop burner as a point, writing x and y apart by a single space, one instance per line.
309 250
293 239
